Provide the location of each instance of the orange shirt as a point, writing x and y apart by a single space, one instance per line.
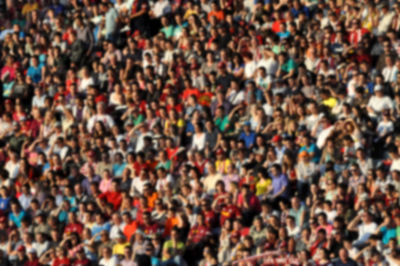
189 92
218 14
151 200
130 230
169 224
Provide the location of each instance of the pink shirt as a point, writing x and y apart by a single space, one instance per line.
105 185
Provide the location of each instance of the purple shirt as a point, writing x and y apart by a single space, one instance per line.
278 182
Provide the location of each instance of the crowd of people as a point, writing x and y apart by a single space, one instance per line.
195 132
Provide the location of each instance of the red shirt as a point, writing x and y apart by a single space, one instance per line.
138 167
317 244
150 229
178 108
229 212
355 36
35 262
171 152
61 262
112 197
198 233
205 98
276 26
73 228
252 200
189 92
82 262
210 219
34 127
201 166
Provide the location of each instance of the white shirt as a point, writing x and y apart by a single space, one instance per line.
4 126
236 97
311 120
25 201
268 109
351 87
162 183
385 128
380 103
310 64
389 73
385 21
137 185
62 152
270 65
365 231
38 101
395 165
12 168
116 230
140 141
85 83
249 69
199 141
109 262
106 119
161 8
293 232
41 247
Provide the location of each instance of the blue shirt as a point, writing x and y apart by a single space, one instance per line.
63 217
349 262
312 148
118 169
111 24
388 233
35 73
248 139
99 228
283 35
296 12
16 219
4 204
279 182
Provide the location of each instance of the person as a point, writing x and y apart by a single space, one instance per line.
365 230
344 259
108 259
171 132
279 187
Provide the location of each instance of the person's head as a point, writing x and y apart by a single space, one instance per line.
366 217
343 254
106 252
321 234
276 170
175 234
322 218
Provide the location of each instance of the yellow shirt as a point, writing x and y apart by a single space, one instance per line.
180 123
262 186
222 165
188 13
331 102
118 249
27 8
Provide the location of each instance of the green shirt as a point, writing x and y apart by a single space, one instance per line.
168 31
289 65
168 245
137 120
221 123
166 165
398 235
